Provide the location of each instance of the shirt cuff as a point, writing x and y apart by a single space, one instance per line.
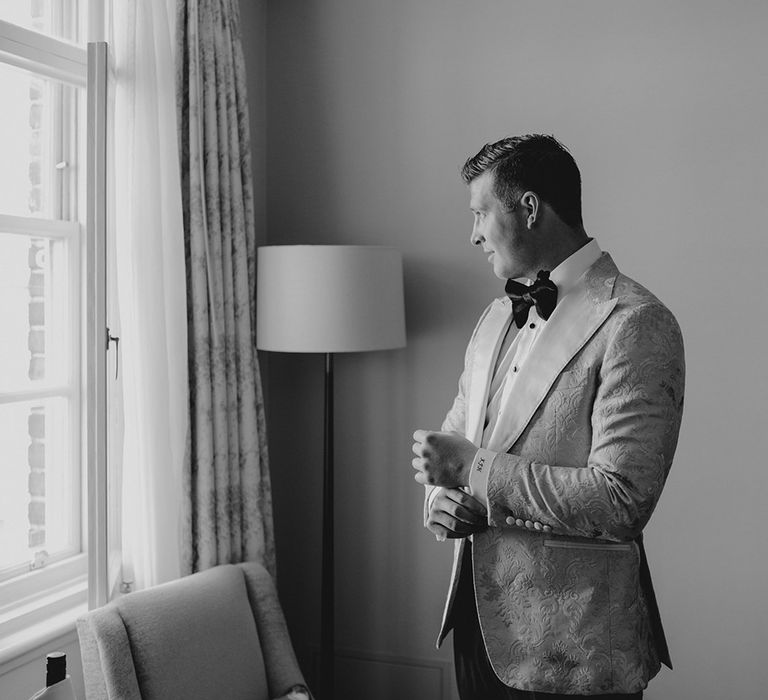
478 476
432 496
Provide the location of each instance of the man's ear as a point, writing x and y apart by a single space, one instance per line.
531 207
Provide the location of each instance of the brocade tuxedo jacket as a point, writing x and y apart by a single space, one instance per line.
583 443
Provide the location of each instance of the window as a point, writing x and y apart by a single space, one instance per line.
43 542
58 18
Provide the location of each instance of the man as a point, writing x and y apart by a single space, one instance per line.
555 452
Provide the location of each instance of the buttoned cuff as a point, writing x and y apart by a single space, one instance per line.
478 476
432 496
428 501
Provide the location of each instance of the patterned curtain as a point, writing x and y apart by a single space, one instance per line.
228 514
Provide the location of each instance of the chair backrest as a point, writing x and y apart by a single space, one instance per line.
197 637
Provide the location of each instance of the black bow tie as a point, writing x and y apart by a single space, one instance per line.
542 293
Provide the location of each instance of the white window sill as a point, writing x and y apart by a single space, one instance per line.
23 646
40 608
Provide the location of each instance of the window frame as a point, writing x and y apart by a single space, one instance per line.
54 58
35 604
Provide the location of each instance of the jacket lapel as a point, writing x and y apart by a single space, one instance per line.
574 321
487 342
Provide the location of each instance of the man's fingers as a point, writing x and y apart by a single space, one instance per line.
451 525
422 477
468 516
420 435
442 523
463 498
456 510
438 530
459 512
442 533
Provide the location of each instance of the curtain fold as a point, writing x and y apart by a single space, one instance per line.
148 401
228 505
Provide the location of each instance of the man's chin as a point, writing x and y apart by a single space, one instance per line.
500 273
510 274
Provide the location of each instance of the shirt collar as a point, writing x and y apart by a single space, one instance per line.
570 271
567 274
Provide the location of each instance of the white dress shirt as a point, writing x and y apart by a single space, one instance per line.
512 356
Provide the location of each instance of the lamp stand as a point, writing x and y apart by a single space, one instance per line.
327 593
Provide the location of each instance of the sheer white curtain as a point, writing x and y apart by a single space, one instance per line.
149 409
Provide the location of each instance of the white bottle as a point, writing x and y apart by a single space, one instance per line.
58 685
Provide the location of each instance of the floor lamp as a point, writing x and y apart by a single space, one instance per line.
329 299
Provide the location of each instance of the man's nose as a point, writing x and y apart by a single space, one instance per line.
476 237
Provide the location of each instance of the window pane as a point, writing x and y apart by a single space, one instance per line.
42 178
36 333
57 18
38 495
36 149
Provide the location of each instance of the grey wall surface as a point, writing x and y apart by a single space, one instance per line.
368 109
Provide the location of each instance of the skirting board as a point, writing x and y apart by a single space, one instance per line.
375 676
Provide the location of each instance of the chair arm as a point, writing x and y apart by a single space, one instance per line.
283 672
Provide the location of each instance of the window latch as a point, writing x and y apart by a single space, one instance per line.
116 340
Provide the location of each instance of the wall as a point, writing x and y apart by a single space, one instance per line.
371 107
253 31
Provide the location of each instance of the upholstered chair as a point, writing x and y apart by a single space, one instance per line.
219 633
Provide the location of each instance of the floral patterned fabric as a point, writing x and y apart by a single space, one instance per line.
584 446
228 516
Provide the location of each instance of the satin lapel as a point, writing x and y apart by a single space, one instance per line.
487 342
573 322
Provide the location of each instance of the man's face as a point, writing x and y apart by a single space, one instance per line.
502 234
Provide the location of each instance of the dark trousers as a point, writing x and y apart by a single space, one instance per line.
474 675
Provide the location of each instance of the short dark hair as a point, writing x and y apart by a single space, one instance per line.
535 162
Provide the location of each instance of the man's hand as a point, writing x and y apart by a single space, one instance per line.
442 459
454 513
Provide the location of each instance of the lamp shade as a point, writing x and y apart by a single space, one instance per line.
329 298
